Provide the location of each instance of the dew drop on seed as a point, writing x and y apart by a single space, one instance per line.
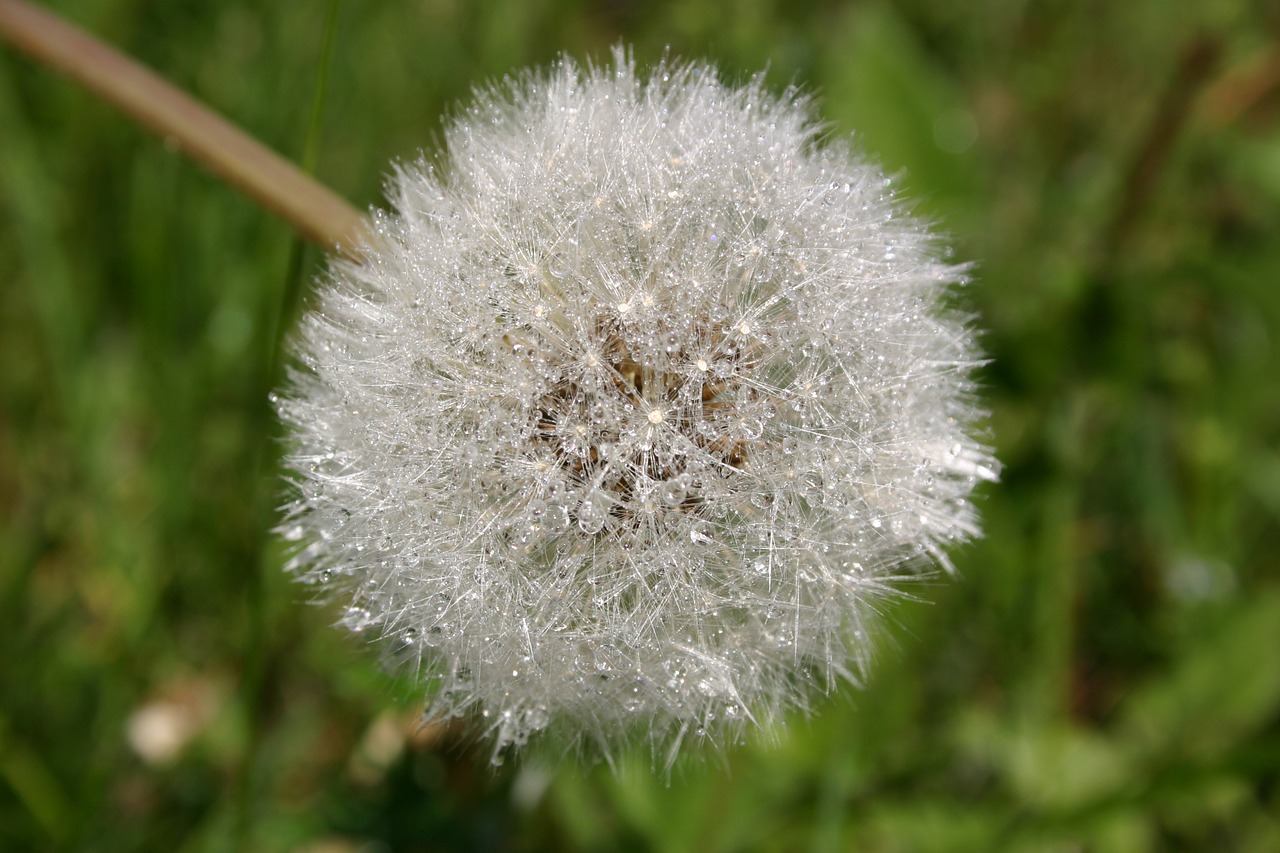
811 485
356 619
673 493
592 512
700 533
556 519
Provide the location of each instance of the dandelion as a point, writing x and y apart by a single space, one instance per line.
633 411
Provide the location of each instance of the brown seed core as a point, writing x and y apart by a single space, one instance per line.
683 393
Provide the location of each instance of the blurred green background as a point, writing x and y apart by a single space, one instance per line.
1104 675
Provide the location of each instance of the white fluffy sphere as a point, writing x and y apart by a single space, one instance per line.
634 409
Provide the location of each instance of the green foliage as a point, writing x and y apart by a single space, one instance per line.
1103 674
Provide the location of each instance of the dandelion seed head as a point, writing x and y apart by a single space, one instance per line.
634 410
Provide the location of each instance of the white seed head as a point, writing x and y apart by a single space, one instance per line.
633 411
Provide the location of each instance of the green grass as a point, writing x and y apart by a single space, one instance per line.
1102 676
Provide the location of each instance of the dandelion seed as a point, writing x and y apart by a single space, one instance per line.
617 447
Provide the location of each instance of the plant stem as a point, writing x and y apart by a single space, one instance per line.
317 213
1174 110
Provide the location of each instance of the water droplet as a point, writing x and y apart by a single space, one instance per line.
356 619
556 519
524 537
673 492
701 533
592 513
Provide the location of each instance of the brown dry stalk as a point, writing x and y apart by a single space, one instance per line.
317 213
1242 88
